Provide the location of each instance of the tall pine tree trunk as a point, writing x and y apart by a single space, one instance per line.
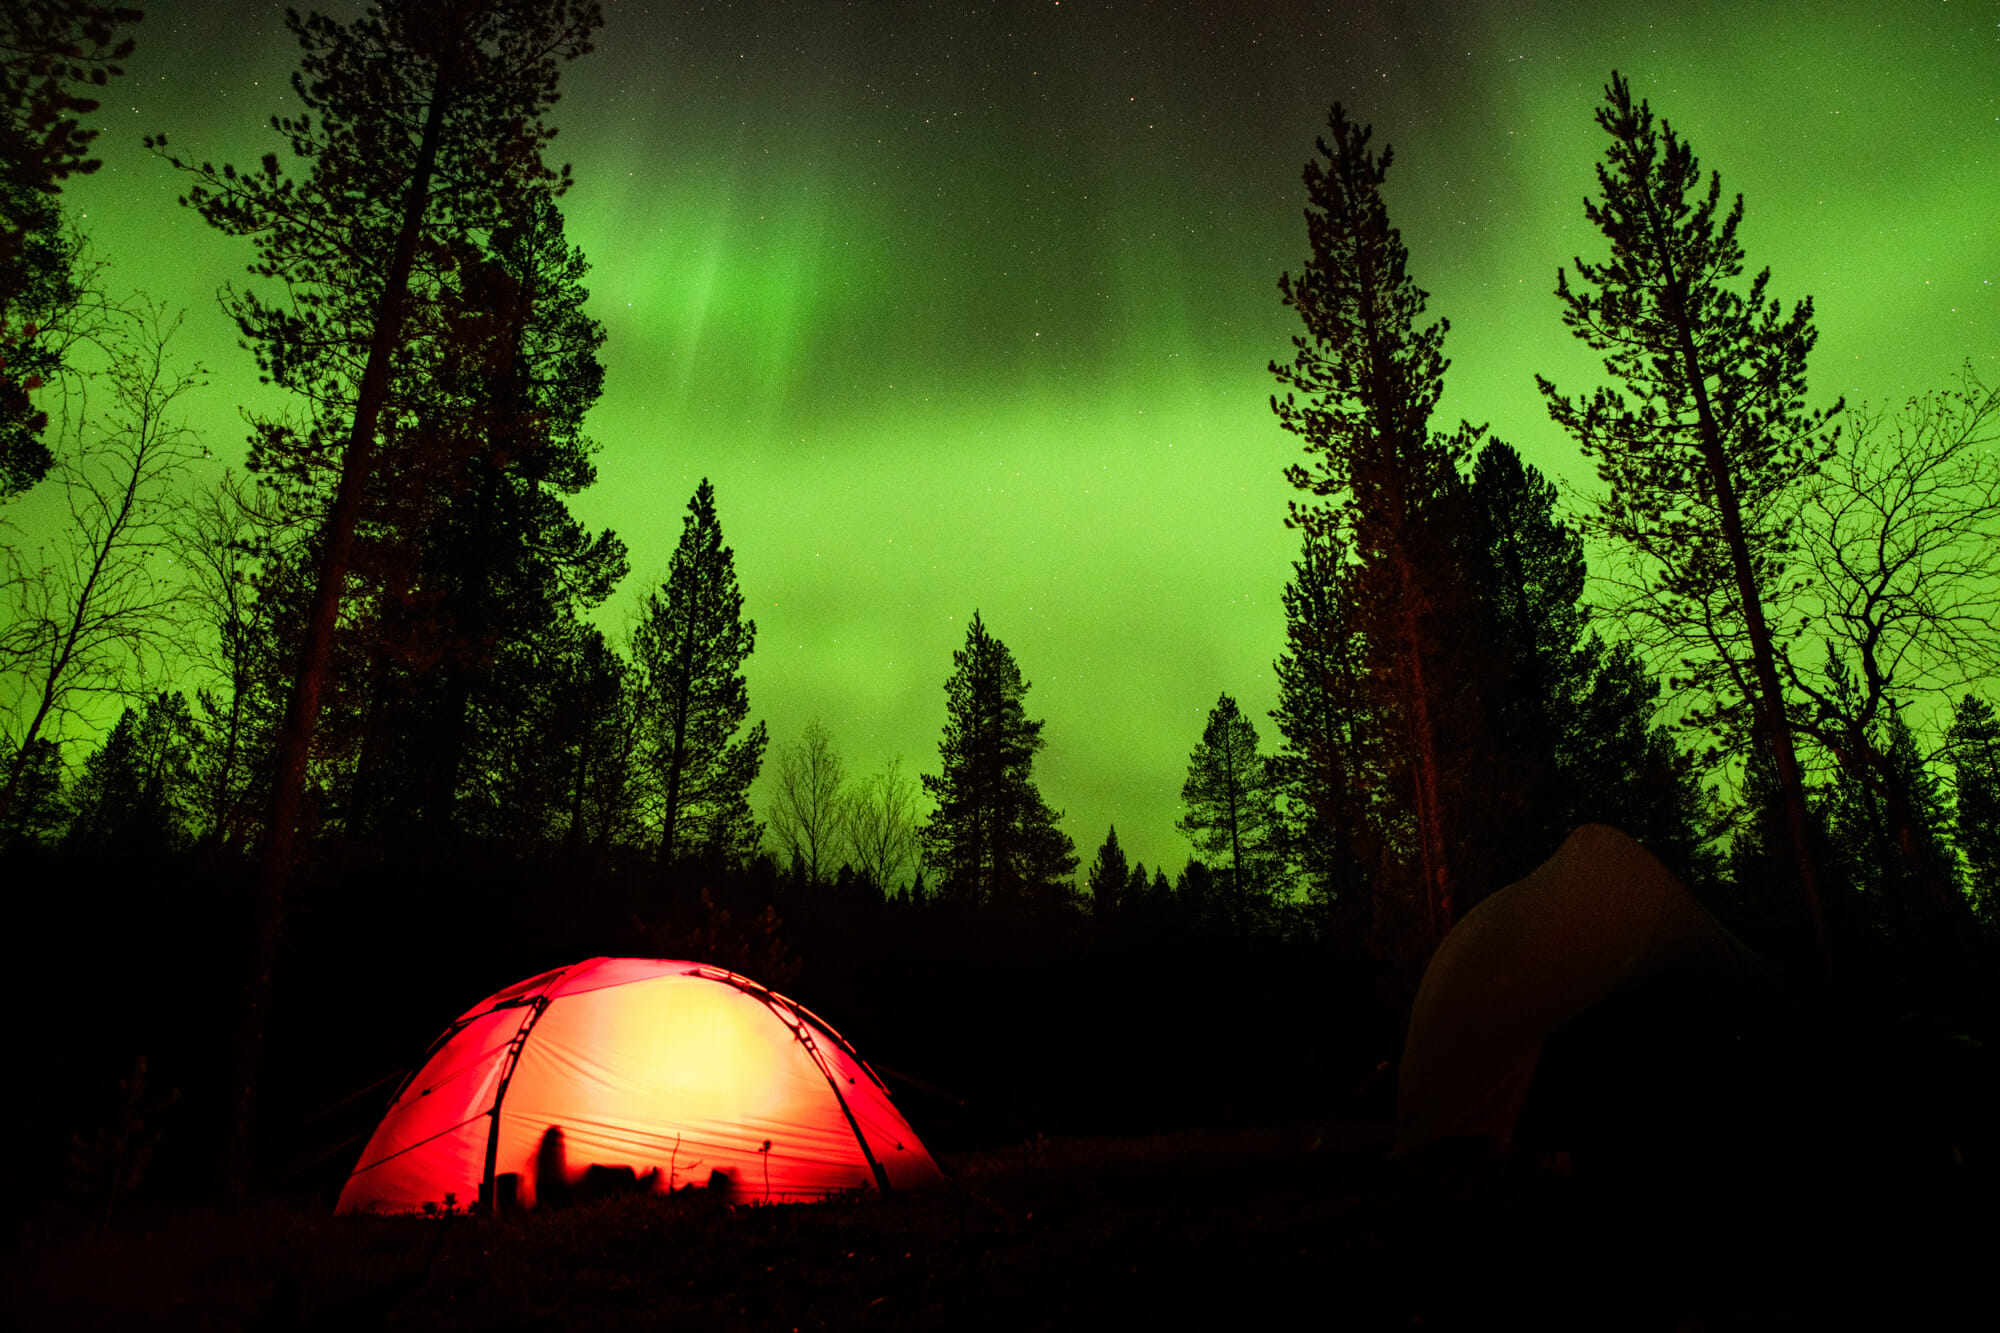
471 621
302 710
1418 682
1235 833
573 835
1768 702
232 740
676 765
1433 843
473 618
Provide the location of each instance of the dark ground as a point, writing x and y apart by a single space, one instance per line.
1137 1125
1310 1226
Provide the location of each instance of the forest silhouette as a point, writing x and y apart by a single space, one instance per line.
409 764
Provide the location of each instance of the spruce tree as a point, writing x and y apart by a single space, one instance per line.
1572 717
139 792
1975 761
40 809
1615 765
1927 864
476 574
1137 893
1329 748
1759 855
1702 444
1359 393
1231 816
992 838
597 733
51 53
1109 877
690 646
1888 827
1532 578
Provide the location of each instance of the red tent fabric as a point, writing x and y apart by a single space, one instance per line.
652 1064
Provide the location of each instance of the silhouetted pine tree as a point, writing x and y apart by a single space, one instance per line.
1975 761
689 646
1887 833
39 284
1760 868
597 732
1616 766
1109 877
1360 390
40 810
139 794
51 51
992 838
1328 764
1138 887
1713 434
1572 717
483 572
1231 810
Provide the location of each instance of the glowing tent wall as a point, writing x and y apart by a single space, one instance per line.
646 1063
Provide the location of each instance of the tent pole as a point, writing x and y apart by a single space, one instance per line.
487 1194
800 1026
833 1084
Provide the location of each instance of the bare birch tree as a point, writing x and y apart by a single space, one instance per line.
882 826
228 530
808 813
93 612
1898 536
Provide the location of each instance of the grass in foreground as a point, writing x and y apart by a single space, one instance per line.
1311 1225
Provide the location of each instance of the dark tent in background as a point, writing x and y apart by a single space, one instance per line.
1596 924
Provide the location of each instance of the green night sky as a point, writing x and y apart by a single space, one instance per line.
969 305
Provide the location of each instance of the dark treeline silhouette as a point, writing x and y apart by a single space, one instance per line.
408 766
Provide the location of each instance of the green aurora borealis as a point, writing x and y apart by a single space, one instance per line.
969 306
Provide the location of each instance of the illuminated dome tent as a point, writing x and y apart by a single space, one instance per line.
661 1066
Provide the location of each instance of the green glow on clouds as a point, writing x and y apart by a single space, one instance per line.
973 312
